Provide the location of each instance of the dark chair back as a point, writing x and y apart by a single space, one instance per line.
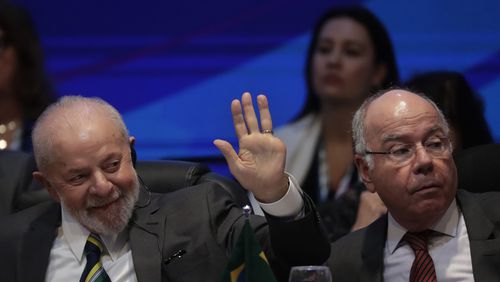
478 168
165 176
161 176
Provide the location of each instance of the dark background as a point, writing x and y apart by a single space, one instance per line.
172 67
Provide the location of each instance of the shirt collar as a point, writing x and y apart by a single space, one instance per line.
447 224
76 236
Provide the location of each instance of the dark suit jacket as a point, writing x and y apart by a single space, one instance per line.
15 178
359 255
202 220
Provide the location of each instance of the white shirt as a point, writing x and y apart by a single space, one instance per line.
67 261
450 251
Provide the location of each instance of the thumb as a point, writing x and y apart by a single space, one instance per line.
228 152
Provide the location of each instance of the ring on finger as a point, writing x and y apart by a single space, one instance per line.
264 131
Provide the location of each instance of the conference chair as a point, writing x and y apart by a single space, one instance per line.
160 176
478 168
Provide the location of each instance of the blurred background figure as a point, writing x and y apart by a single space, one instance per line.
153 60
24 87
459 103
349 57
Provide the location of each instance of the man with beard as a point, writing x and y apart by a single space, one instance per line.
83 154
432 232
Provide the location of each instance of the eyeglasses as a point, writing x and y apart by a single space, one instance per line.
437 147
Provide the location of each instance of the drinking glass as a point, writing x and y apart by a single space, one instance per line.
310 273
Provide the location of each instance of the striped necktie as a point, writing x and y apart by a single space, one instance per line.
94 272
422 269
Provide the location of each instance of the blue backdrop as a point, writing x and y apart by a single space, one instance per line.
172 67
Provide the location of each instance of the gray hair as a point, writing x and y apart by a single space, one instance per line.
51 119
359 129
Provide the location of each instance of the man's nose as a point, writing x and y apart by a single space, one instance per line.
101 185
423 161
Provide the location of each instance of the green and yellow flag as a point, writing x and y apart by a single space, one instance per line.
248 262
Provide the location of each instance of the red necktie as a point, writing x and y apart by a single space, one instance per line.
422 268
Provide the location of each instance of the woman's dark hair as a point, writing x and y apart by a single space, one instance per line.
382 45
31 85
459 103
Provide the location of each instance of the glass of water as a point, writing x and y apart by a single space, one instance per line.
310 273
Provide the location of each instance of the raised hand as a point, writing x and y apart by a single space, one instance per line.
260 164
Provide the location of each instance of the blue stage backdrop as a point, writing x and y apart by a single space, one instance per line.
172 67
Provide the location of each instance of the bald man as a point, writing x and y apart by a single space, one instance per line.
403 153
82 149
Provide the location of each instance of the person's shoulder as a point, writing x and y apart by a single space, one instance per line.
349 241
346 255
484 205
187 197
351 245
482 197
300 124
13 160
308 126
189 191
33 212
19 222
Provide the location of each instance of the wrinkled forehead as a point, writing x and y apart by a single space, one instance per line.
74 119
401 113
81 123
399 103
409 129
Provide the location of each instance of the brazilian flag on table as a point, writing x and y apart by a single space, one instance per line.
248 262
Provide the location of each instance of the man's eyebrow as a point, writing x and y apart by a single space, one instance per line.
75 170
391 137
397 137
436 129
113 156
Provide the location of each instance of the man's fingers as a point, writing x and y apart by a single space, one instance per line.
244 118
249 112
238 121
265 114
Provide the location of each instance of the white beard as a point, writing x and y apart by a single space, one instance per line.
117 216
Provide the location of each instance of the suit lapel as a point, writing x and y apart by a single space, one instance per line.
484 243
37 243
372 252
145 237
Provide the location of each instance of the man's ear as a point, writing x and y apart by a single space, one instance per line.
133 153
364 172
40 177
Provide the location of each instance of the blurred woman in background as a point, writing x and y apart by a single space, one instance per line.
349 57
24 87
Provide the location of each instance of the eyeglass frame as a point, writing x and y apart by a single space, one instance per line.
447 149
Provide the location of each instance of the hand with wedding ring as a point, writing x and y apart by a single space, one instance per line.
260 164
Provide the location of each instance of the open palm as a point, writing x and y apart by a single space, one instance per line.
259 165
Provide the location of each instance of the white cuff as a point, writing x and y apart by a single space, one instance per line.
289 205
